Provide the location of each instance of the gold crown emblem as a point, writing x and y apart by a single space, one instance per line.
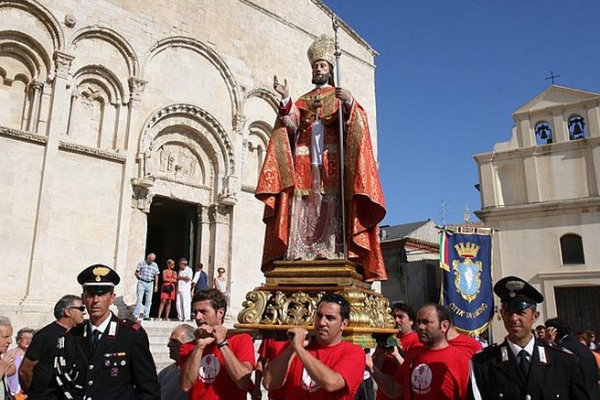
99 272
323 48
468 250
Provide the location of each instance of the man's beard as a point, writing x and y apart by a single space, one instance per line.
321 79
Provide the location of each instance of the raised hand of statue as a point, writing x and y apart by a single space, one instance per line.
344 95
281 89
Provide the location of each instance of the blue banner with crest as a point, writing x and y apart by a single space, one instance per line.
466 259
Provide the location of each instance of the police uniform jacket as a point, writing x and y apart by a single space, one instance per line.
554 373
121 366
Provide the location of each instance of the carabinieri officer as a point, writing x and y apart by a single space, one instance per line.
522 368
120 365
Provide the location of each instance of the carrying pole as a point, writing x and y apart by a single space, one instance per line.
338 80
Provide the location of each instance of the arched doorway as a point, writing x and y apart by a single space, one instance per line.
172 233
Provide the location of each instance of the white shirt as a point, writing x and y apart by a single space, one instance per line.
517 349
185 285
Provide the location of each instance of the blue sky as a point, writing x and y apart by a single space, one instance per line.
450 74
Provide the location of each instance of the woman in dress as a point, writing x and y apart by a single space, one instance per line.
167 295
221 282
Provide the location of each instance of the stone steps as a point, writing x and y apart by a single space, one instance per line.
158 335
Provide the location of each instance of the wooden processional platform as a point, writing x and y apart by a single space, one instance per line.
292 290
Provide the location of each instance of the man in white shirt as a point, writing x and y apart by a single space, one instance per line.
184 287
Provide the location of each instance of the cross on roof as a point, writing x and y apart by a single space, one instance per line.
552 76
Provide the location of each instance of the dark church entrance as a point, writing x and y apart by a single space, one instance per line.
171 234
577 306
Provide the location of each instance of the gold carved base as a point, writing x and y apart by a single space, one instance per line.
293 289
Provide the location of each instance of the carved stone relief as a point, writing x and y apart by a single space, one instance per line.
88 113
178 162
62 64
219 214
141 196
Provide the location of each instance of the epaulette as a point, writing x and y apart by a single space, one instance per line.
136 325
489 348
556 346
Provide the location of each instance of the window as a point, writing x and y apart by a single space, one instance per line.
543 133
571 247
576 128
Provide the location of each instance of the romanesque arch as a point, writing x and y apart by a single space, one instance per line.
114 39
268 96
41 14
97 98
208 53
24 68
260 110
184 144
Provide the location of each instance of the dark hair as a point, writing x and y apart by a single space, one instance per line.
443 312
561 326
23 331
340 301
183 259
65 302
216 297
540 327
405 308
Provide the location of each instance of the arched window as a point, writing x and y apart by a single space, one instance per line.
543 133
576 128
571 247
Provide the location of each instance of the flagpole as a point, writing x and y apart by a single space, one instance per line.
338 79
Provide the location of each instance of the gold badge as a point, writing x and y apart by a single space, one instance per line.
99 272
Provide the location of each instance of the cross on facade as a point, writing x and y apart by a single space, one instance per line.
552 76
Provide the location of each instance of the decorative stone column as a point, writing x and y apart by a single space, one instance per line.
220 221
56 127
36 89
141 200
133 222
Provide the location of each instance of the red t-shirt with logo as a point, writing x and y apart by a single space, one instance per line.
435 374
345 358
213 381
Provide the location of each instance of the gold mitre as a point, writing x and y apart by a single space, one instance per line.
323 48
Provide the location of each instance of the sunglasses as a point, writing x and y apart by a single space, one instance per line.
80 308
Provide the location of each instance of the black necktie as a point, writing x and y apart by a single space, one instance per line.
524 362
95 338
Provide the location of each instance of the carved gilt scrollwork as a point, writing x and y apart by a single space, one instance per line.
254 306
299 308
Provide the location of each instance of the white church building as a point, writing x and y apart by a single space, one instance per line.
541 191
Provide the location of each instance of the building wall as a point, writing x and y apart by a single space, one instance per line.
535 193
107 104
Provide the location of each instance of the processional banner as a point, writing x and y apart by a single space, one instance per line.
466 261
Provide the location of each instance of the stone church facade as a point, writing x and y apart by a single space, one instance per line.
541 190
130 127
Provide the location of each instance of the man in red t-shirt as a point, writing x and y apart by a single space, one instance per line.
436 371
215 366
323 367
268 350
463 342
389 359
